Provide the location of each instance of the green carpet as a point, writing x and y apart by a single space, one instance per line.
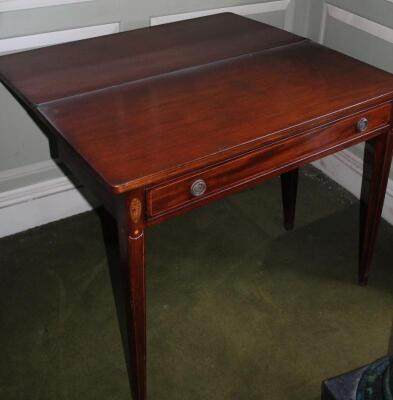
237 307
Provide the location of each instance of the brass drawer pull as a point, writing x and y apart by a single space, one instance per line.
198 188
362 124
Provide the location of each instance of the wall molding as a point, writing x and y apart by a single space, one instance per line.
346 169
356 21
39 203
47 200
26 170
35 191
247 9
21 43
19 5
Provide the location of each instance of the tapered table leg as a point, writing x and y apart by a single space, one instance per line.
132 248
289 183
376 167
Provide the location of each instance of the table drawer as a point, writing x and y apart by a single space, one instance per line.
199 186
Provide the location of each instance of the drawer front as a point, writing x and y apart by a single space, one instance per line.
199 186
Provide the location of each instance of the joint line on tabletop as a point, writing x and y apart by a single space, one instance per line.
181 70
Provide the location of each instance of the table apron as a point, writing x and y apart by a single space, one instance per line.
175 196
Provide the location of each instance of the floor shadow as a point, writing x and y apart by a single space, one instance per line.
328 248
390 347
110 236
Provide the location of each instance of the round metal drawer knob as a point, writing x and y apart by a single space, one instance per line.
198 188
362 124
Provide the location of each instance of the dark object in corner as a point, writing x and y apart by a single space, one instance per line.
371 382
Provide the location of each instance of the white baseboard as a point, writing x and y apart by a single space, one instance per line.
26 171
346 169
39 203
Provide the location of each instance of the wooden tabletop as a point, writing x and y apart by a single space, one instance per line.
73 68
152 103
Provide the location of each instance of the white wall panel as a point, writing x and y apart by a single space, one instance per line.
363 30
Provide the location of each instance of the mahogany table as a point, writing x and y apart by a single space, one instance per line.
162 120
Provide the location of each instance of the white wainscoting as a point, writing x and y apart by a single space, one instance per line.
346 168
35 204
38 209
38 203
366 25
247 9
21 43
18 5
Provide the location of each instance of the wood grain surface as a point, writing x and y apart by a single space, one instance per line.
143 132
68 69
